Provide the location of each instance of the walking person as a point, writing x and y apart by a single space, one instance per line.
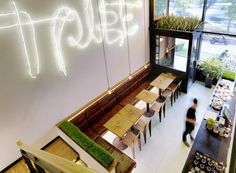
190 122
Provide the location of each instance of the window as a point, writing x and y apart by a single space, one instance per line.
220 47
186 8
173 53
220 16
160 7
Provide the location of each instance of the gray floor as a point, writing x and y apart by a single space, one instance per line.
164 152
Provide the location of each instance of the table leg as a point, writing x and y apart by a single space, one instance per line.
160 98
160 93
147 107
149 112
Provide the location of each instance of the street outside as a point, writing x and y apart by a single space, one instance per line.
209 50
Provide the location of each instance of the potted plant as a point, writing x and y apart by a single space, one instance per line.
211 68
210 123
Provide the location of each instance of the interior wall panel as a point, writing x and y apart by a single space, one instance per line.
72 65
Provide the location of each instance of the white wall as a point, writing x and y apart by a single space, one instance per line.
29 108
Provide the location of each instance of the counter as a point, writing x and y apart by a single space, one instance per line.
209 143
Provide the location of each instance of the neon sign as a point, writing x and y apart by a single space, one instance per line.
104 30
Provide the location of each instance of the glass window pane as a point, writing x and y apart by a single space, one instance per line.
159 7
220 16
186 8
173 53
220 47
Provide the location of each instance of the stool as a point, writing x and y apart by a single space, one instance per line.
168 94
142 124
159 107
130 139
179 87
173 87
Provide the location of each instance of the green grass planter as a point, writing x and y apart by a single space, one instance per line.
95 150
228 75
182 23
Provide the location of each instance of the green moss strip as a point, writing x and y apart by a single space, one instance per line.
228 75
95 150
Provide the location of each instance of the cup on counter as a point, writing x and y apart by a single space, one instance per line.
216 128
221 131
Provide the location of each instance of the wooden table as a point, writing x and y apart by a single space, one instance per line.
131 113
118 125
121 122
148 97
162 82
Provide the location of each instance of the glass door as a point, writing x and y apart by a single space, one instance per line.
193 61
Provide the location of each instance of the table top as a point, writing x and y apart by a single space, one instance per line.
147 96
131 113
118 125
121 122
163 81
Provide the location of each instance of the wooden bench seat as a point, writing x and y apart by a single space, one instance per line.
81 122
90 133
98 126
91 120
126 164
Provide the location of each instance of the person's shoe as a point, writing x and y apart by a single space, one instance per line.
192 138
186 143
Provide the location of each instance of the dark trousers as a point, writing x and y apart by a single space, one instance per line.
188 129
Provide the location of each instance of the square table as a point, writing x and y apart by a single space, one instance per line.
118 125
121 122
162 82
148 97
131 113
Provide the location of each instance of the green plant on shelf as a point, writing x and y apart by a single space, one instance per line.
211 122
228 75
95 150
182 23
211 68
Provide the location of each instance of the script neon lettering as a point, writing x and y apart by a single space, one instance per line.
97 31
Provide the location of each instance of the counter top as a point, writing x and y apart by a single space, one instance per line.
209 143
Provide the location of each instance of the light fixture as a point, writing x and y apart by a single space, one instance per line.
33 69
109 91
64 15
161 39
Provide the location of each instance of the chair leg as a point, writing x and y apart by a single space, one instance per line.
144 135
133 150
150 128
139 142
160 115
171 99
174 96
164 109
177 93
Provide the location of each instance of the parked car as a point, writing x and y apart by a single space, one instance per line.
219 39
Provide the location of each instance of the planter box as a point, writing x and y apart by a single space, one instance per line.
89 160
208 83
176 33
